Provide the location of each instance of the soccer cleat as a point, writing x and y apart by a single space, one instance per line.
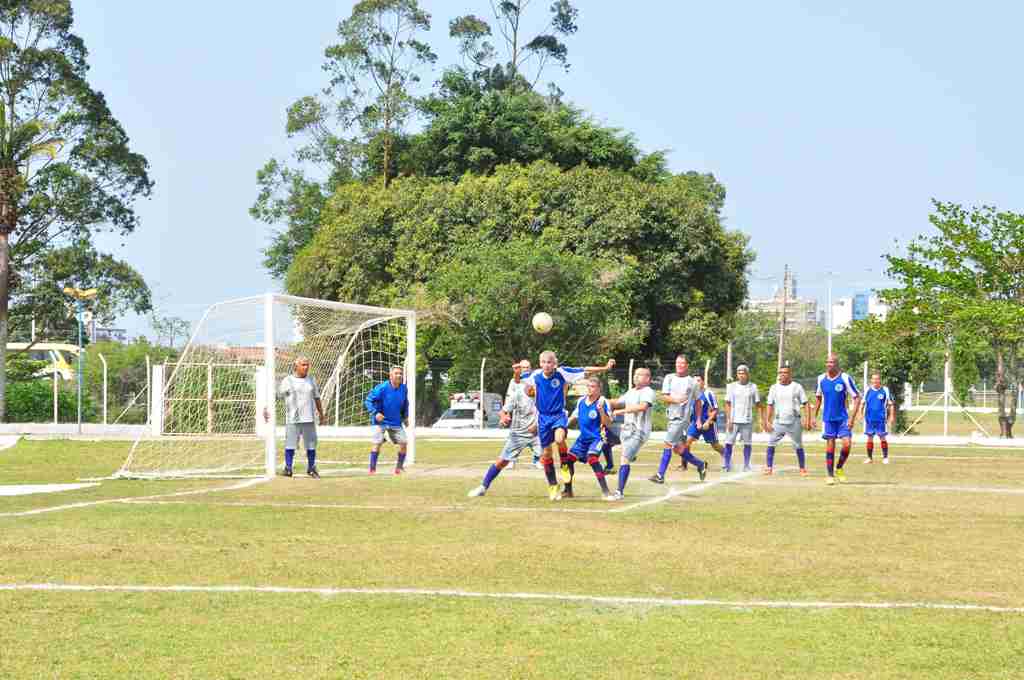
564 474
767 471
568 494
477 492
537 464
885 461
702 473
803 472
746 468
313 472
613 496
553 493
868 461
609 468
287 472
399 471
657 479
841 475
830 481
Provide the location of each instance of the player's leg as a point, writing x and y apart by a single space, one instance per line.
796 435
546 433
747 437
309 438
513 446
829 435
777 433
291 441
870 446
593 457
692 436
883 440
565 460
580 449
377 441
631 445
611 440
397 435
674 436
845 437
730 440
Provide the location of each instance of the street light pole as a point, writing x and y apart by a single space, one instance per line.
80 297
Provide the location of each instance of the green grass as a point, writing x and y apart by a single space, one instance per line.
891 535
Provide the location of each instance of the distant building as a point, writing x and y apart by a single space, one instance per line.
801 313
108 334
849 309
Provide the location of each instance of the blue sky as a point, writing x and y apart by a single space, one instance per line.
831 127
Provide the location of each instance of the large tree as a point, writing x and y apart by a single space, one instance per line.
66 170
967 278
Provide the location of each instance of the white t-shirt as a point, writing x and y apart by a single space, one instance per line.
520 406
639 423
787 400
299 397
743 399
679 386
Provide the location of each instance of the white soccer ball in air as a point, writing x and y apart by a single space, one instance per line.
542 322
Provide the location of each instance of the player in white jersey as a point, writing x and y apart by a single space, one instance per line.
788 413
515 385
302 412
677 391
741 401
636 406
519 415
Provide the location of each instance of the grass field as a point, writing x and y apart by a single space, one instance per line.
353 576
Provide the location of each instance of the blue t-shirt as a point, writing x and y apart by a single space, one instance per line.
551 391
834 392
393 402
707 404
589 417
877 403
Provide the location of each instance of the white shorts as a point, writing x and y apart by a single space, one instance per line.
742 431
794 430
516 443
292 432
676 432
395 434
632 442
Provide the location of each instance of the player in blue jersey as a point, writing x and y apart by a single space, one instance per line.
552 422
702 426
879 415
388 405
834 389
592 414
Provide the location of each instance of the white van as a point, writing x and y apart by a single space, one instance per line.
59 357
464 411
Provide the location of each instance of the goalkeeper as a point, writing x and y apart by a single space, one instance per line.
301 397
388 405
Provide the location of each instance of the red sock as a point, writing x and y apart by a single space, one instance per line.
843 455
885 449
871 447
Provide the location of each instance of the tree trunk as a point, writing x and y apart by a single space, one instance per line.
387 158
5 274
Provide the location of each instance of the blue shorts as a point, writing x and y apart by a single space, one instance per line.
546 426
836 429
874 427
585 446
707 435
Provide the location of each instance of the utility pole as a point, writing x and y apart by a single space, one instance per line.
782 315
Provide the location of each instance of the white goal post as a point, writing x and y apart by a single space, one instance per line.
215 409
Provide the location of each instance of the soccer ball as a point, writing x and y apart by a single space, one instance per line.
542 322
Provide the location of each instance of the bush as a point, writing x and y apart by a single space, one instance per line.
31 401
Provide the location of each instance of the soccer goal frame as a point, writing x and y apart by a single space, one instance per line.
266 373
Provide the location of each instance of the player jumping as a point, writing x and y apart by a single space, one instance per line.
834 388
549 381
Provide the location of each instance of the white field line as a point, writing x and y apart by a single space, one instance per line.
107 501
469 594
691 490
376 508
906 487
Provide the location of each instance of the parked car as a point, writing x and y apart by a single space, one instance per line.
59 357
464 411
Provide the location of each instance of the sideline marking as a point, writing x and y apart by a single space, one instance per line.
469 507
28 489
106 501
885 486
693 489
469 594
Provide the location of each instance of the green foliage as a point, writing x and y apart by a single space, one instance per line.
20 368
967 282
31 401
66 170
384 247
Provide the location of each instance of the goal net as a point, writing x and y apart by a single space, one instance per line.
215 410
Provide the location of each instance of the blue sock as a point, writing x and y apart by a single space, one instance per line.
666 458
373 460
771 456
289 456
401 462
728 456
747 450
310 458
693 460
623 477
492 472
800 458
